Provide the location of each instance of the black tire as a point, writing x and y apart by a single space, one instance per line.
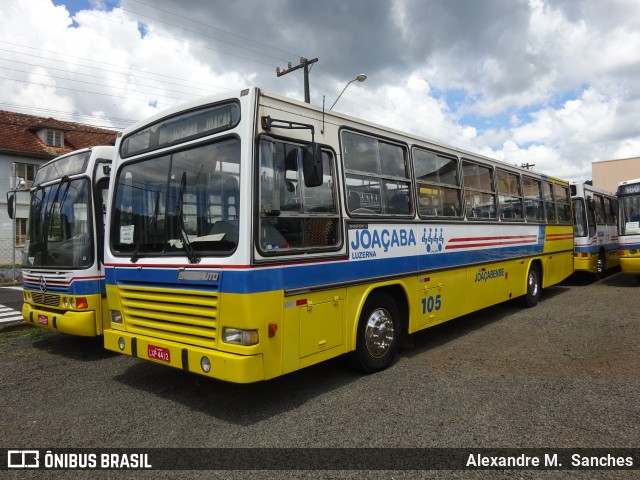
534 286
379 332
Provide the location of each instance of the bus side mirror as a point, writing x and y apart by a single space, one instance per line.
11 205
591 205
613 207
312 165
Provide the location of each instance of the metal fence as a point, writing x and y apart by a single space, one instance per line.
10 271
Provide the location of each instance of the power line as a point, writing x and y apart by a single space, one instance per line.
76 116
97 84
99 69
127 68
80 91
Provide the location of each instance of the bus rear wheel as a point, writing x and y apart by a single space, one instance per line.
531 297
378 335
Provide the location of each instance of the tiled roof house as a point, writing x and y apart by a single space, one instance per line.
47 138
26 142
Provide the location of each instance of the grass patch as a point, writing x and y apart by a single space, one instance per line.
27 331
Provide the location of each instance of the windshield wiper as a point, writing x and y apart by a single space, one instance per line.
46 227
134 255
188 248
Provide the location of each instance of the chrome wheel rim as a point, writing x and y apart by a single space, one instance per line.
533 284
379 333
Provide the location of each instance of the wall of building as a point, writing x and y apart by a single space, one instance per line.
7 183
609 173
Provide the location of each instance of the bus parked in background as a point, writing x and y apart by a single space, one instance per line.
629 226
595 229
63 275
251 235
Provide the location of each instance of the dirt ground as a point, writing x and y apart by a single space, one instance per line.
562 375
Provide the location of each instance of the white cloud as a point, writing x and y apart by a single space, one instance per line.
548 82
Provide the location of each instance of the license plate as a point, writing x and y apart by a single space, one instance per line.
158 353
43 320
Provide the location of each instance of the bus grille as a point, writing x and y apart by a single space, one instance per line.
186 316
46 299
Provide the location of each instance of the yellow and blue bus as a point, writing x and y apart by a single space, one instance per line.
63 275
251 235
629 226
595 229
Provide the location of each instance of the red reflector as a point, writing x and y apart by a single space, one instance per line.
273 328
584 255
299 303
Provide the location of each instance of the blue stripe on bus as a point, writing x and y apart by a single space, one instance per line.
596 248
76 287
255 280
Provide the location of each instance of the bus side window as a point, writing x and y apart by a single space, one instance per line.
533 199
549 202
437 183
509 195
377 172
479 197
563 203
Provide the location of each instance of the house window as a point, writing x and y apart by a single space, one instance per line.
54 138
21 231
26 171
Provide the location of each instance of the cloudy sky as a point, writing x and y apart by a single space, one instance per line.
555 83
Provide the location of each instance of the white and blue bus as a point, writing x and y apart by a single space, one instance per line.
64 288
595 221
629 226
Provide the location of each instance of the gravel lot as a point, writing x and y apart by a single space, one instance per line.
564 374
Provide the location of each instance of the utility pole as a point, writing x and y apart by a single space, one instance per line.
304 63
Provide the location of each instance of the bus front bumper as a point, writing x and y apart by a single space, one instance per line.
630 265
224 366
74 323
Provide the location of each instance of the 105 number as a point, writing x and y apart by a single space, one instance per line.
430 304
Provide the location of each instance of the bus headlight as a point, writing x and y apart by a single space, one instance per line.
237 336
205 364
116 316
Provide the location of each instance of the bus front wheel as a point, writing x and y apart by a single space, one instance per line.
534 287
378 335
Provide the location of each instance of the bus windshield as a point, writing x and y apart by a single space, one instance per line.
60 225
186 202
580 218
630 215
